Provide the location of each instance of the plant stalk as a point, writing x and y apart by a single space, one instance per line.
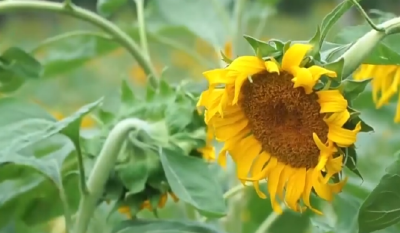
142 28
101 171
357 53
68 9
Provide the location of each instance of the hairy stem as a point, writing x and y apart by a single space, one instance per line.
142 27
68 9
267 223
101 170
357 53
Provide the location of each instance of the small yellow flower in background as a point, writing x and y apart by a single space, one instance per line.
138 75
385 83
146 204
276 127
87 121
208 152
228 49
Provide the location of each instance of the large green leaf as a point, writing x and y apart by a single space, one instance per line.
201 191
154 226
66 52
27 132
381 209
16 67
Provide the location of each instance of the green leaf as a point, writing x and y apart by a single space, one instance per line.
262 48
327 23
69 51
336 66
133 176
108 7
50 165
226 59
381 208
353 88
351 161
355 119
35 130
14 110
154 226
21 64
127 96
202 192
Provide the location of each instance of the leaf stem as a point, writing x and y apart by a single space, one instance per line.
357 53
67 211
142 27
101 170
369 20
120 36
267 223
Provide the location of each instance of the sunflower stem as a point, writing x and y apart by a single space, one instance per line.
357 53
101 170
267 223
369 20
85 15
142 27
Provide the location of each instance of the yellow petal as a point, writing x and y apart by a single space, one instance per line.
257 166
303 78
331 101
238 86
244 153
219 76
307 191
320 188
391 91
247 65
295 187
272 67
337 118
318 71
225 132
294 55
343 137
333 166
397 116
285 175
273 181
264 173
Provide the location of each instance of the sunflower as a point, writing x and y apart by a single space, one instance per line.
386 80
276 127
146 205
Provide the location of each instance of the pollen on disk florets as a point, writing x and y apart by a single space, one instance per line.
283 119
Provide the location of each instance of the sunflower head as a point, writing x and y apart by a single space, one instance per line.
281 120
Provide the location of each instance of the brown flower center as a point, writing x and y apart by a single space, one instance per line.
284 118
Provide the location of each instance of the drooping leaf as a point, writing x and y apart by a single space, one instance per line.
154 226
201 192
49 165
30 131
336 66
262 48
20 64
327 23
381 209
133 176
108 7
351 160
353 88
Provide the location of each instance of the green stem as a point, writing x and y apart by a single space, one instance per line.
369 20
67 212
120 36
237 30
357 53
101 170
142 27
267 223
